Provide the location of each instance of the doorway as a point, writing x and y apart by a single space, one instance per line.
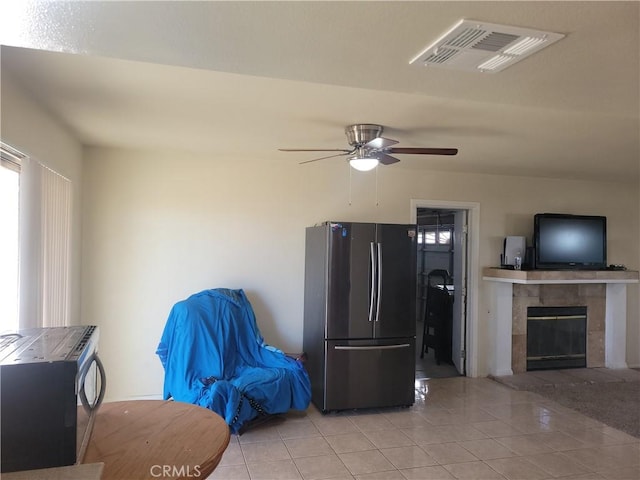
443 246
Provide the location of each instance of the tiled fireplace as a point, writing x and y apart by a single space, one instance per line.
603 293
553 295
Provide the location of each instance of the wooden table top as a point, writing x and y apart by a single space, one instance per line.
144 439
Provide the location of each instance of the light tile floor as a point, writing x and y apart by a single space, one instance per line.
459 428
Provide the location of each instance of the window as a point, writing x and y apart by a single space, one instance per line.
434 236
444 237
9 200
35 216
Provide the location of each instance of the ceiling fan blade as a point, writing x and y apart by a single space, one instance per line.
386 159
347 152
380 143
424 151
313 150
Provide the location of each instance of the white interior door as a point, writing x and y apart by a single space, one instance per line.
458 333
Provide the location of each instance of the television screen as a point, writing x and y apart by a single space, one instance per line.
563 241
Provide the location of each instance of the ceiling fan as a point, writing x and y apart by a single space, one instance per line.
369 148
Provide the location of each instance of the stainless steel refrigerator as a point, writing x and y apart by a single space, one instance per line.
360 314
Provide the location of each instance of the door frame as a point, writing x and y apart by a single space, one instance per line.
473 269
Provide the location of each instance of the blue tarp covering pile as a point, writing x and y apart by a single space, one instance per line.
214 356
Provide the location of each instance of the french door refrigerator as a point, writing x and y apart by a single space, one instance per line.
359 314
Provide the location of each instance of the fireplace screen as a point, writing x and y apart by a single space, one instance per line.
556 337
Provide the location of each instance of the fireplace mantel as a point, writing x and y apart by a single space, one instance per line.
502 314
559 276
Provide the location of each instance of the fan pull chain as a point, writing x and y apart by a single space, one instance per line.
377 167
350 173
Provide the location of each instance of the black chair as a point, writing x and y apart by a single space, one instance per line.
438 277
436 332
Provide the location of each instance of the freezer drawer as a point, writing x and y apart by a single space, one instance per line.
369 374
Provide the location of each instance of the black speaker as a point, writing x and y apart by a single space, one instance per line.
529 259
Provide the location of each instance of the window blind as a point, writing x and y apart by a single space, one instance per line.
44 245
56 235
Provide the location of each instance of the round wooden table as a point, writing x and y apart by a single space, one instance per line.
145 439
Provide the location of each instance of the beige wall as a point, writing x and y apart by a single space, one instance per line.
158 226
26 126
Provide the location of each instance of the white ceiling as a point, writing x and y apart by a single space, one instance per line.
240 79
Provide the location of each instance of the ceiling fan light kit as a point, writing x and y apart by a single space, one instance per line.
370 149
363 164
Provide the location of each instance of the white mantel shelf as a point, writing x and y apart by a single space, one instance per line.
501 316
559 276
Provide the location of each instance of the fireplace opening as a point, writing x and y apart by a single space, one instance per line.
556 337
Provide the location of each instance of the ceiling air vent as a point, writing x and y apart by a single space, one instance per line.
483 47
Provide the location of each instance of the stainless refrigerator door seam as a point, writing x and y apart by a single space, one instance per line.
372 260
379 296
372 347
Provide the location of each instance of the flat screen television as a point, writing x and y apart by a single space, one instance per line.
569 242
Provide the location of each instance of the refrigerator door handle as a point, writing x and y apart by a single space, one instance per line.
379 294
372 347
372 261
